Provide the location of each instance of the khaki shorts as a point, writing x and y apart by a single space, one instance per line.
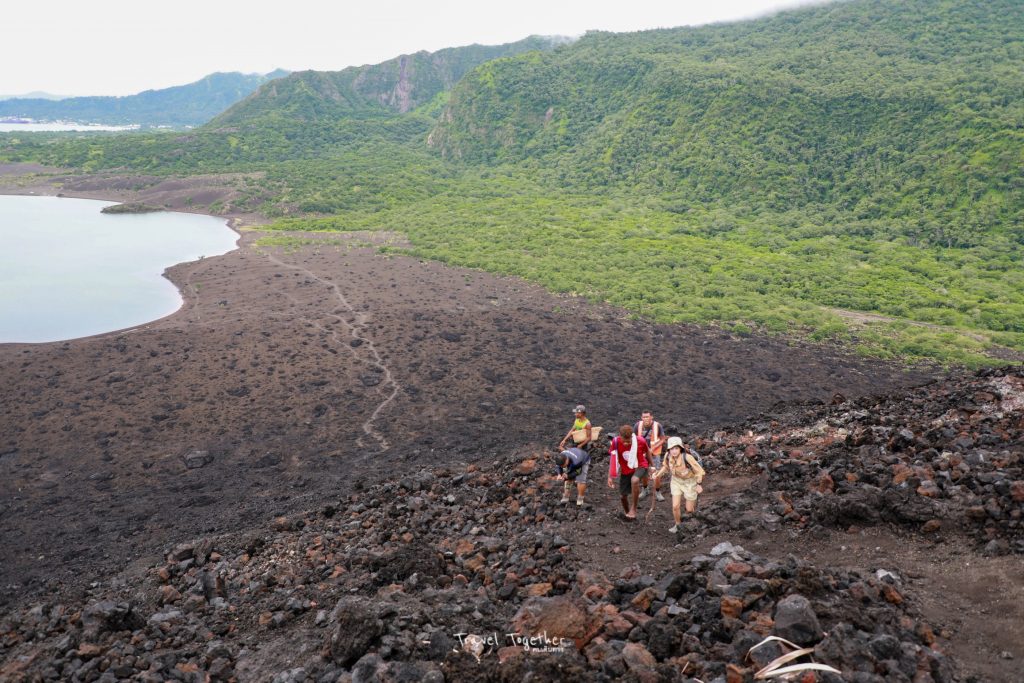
687 488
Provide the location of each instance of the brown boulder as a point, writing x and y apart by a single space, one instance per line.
637 658
900 473
740 568
527 466
642 601
891 594
168 595
597 651
538 589
474 563
761 623
824 483
558 617
737 674
590 577
977 513
636 618
509 652
732 607
89 650
618 627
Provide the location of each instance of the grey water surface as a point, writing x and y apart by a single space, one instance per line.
69 271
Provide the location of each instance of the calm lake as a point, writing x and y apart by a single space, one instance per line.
68 271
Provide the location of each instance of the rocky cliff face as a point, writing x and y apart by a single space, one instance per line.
396 86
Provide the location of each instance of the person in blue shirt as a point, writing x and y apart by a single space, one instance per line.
573 466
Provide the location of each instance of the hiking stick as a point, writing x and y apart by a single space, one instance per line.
654 499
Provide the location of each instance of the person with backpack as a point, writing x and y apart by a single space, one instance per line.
655 437
573 466
686 474
581 423
629 463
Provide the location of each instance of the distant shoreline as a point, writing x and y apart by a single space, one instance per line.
44 181
17 125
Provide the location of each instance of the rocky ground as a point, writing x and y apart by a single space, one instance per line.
476 572
945 457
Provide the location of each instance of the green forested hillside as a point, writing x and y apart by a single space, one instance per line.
397 85
185 105
909 111
786 174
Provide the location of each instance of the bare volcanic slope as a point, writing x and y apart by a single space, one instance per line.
473 572
443 576
292 374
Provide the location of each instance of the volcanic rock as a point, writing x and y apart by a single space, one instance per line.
796 621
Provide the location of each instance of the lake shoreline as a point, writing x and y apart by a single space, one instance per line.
44 181
30 185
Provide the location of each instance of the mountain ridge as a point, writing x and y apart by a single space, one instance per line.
35 95
187 105
397 85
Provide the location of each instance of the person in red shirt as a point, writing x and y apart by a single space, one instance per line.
629 462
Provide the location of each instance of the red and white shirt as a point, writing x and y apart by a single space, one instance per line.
618 452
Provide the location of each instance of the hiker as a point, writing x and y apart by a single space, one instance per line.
655 437
686 475
629 463
581 422
573 465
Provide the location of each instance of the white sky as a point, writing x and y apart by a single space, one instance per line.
117 47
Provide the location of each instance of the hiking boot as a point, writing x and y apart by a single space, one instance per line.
643 494
674 528
579 502
565 500
659 497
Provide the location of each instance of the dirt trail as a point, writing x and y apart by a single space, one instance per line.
356 332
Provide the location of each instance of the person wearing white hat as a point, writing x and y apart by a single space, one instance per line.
686 477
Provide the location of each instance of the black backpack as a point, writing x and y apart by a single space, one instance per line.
696 456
